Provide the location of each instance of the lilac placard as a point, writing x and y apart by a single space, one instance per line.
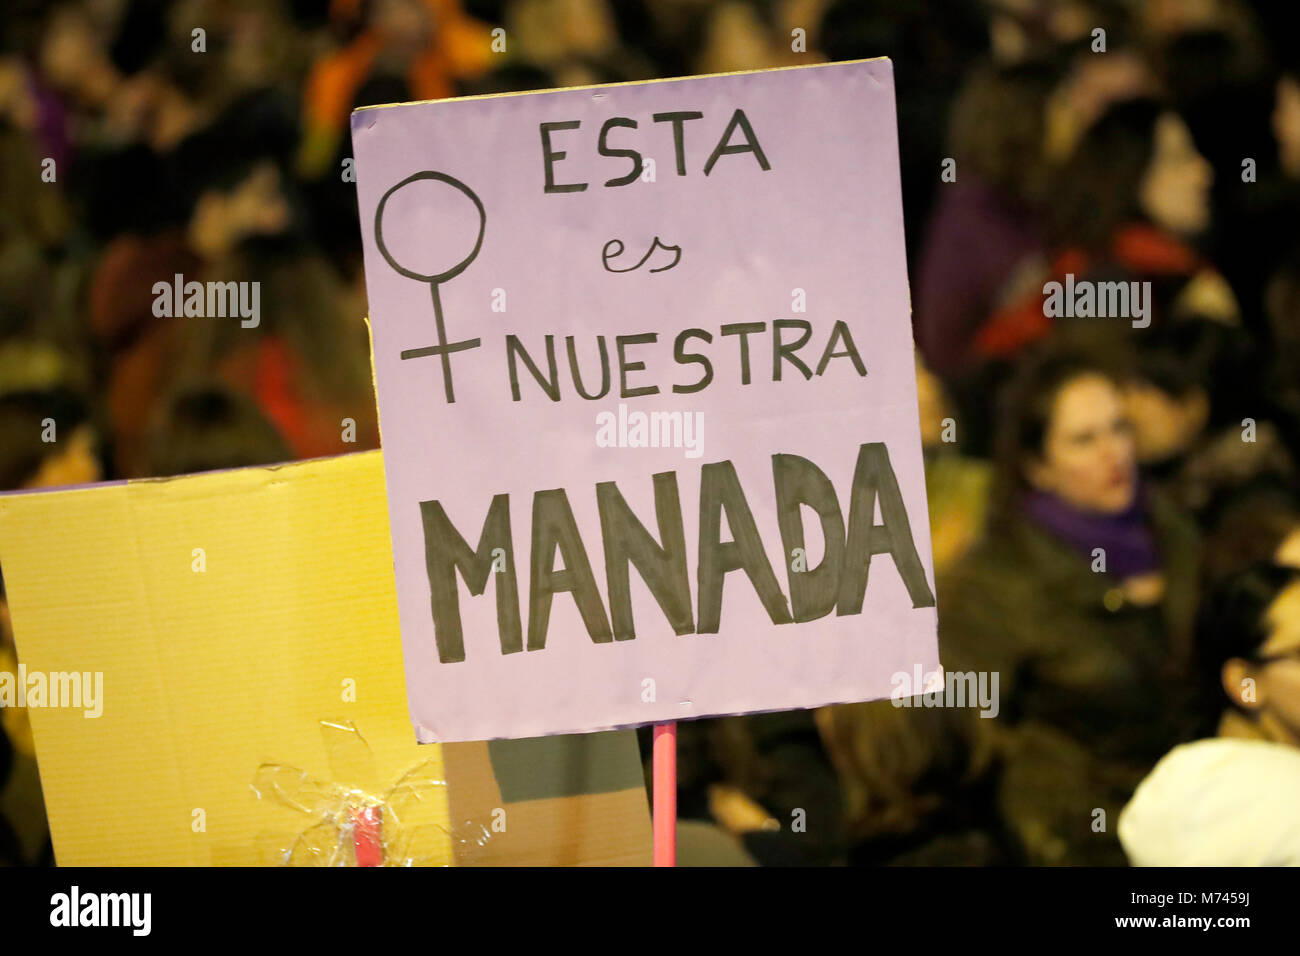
761 210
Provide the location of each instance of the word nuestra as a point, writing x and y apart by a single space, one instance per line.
57 689
951 689
211 300
838 584
651 430
782 352
103 909
1085 299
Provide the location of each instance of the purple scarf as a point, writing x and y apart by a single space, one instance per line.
1129 546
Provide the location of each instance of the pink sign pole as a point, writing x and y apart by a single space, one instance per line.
665 793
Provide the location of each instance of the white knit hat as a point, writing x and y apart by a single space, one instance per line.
1219 802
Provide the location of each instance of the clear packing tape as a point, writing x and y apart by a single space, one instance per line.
353 821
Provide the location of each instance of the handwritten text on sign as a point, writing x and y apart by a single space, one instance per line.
574 296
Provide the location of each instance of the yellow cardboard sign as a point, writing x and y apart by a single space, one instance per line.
245 627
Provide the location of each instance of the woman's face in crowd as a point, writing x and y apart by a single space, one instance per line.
929 396
1088 453
735 39
1175 192
69 46
75 464
1277 677
1164 425
1170 17
1286 125
1288 552
257 207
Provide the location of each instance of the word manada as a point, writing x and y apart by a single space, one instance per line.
837 584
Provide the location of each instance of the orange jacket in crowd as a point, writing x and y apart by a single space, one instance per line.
459 48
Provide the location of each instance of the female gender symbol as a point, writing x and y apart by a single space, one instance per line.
443 348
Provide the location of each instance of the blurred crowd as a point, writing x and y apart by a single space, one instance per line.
1114 504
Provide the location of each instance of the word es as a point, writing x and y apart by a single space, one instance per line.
222 300
609 252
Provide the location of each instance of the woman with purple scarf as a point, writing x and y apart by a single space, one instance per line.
1081 596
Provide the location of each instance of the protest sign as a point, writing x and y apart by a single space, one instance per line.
644 367
233 638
